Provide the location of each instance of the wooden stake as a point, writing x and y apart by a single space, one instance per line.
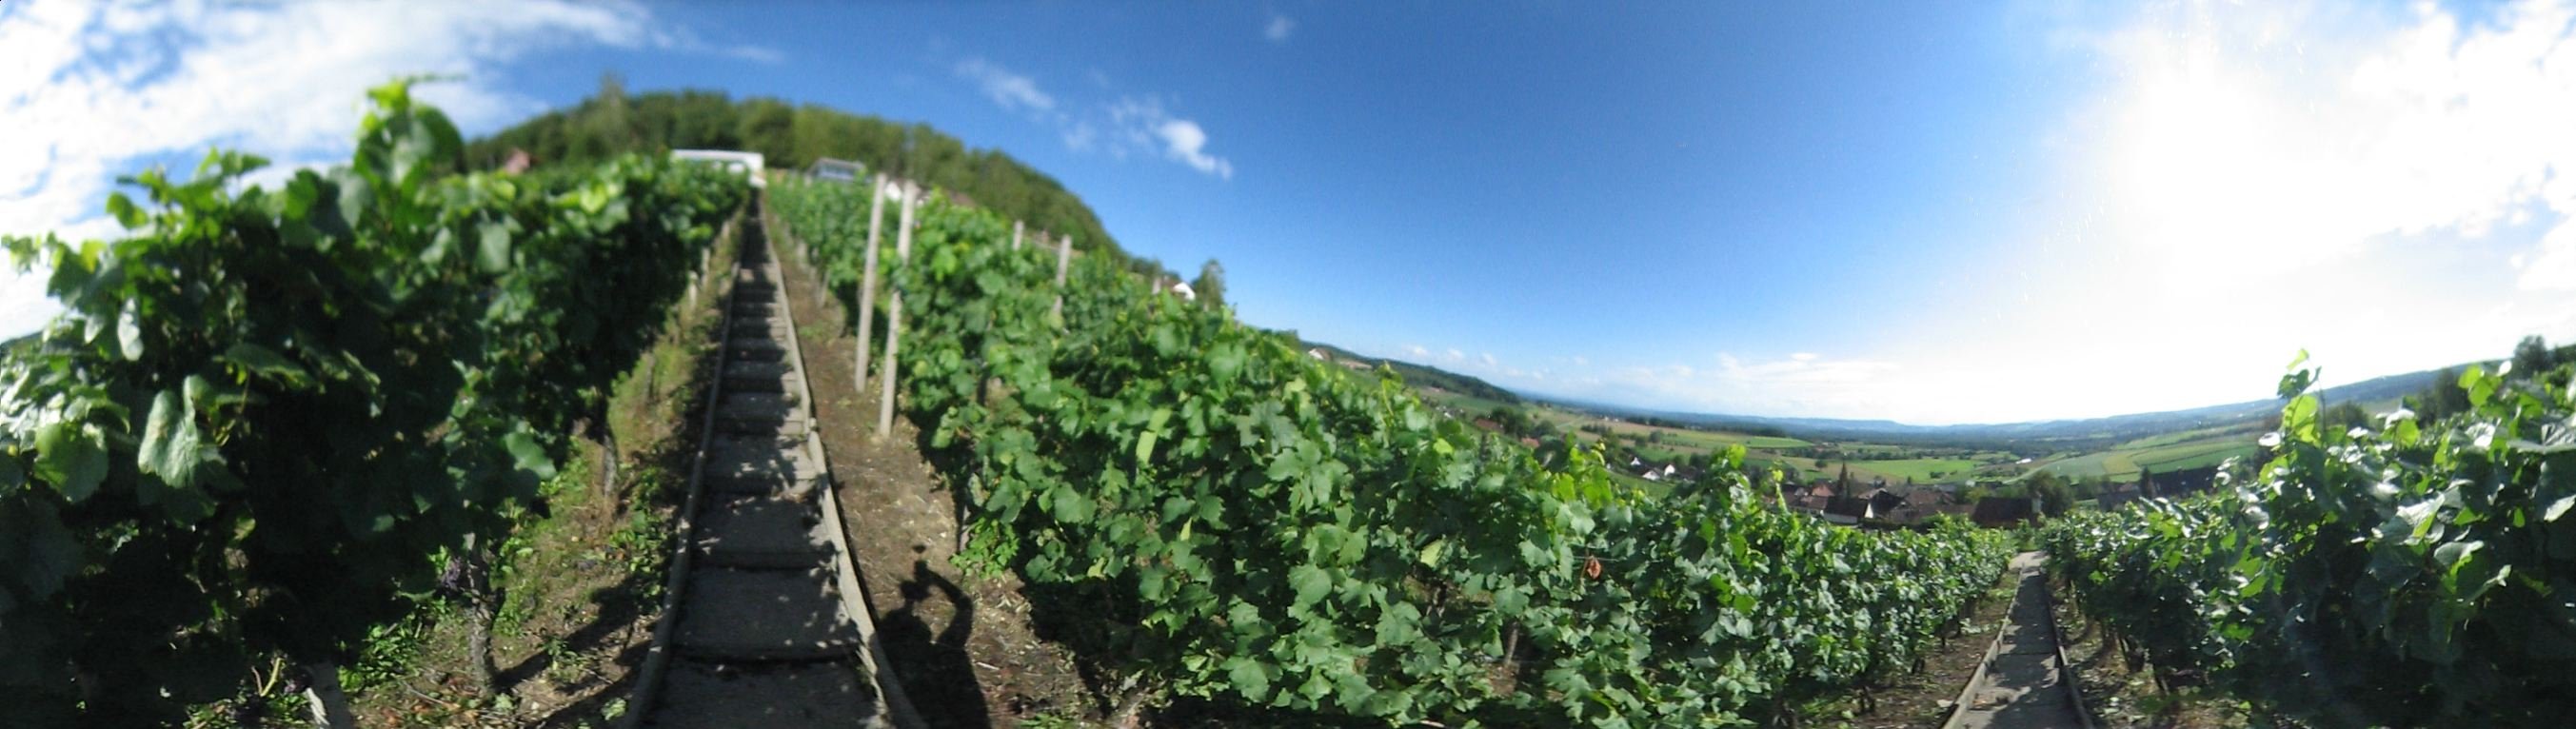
1063 260
868 280
894 316
1015 235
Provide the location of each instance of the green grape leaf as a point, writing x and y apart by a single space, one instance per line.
124 210
1250 678
492 247
1072 506
1310 582
529 455
71 457
1511 601
265 362
170 442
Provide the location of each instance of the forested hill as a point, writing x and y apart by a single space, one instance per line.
792 137
1424 375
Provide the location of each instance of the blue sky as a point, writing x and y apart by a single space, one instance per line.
1976 213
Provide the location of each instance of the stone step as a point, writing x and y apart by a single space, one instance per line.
760 465
757 349
760 426
763 407
825 695
752 615
749 377
768 531
751 328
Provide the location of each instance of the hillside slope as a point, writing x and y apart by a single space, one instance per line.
791 137
1424 375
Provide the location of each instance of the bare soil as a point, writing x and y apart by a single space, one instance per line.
2125 698
964 647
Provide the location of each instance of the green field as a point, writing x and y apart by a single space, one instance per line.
1468 406
1919 469
2162 453
2195 455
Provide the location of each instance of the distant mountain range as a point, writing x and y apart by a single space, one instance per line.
2048 434
2063 432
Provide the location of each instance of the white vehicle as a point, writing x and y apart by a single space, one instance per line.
748 163
837 170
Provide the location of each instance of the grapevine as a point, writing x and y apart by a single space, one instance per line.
1233 519
2413 574
267 414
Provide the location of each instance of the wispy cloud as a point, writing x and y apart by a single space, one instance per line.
98 89
1278 28
1127 125
1142 121
1012 91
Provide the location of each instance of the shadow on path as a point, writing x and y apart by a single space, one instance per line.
936 670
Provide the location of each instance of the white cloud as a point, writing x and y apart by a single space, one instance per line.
1487 358
1012 91
1143 122
1079 136
1417 350
96 89
1278 28
1455 355
2555 267
2392 189
1183 140
2236 135
1128 125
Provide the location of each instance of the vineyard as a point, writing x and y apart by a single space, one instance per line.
2413 574
274 420
1214 514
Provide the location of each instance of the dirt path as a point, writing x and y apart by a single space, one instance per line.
2023 685
769 624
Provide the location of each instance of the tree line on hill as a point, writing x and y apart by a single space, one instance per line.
790 136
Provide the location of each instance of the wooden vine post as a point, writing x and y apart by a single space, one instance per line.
1015 234
894 314
868 280
1063 260
698 278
